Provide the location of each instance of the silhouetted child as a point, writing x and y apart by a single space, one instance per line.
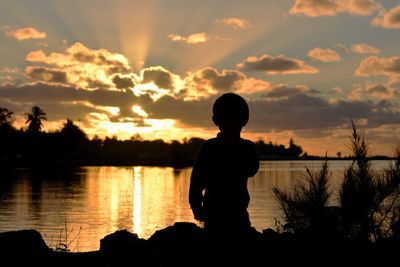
221 170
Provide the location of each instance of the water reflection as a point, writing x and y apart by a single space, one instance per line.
137 200
85 204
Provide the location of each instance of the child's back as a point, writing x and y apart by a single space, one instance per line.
222 168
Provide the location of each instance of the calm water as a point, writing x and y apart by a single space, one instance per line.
85 204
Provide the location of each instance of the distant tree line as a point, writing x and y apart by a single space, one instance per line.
32 145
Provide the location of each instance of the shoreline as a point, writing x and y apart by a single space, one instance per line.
185 244
55 163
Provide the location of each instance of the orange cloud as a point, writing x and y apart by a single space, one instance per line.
208 82
388 19
373 65
317 8
277 65
85 68
324 55
381 91
236 23
195 38
8 70
26 34
364 49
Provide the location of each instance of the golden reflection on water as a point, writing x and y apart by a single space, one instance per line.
92 202
137 200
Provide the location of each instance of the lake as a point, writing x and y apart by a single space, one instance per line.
82 205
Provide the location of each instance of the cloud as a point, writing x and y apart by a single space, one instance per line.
285 91
280 108
317 8
389 66
195 38
160 76
253 86
364 49
225 80
208 81
80 54
381 91
373 91
305 112
236 23
337 90
27 33
9 70
50 75
83 67
106 99
123 82
61 102
388 19
324 55
356 93
276 65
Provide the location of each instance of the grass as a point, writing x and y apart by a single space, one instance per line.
66 239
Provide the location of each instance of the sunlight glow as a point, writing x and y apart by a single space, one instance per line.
150 88
135 40
137 200
112 110
139 111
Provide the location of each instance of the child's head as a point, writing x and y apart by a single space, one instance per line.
230 112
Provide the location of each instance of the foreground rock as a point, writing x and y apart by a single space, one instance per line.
185 244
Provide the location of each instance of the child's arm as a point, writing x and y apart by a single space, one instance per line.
252 160
196 187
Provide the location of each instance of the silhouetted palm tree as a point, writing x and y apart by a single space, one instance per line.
35 119
5 116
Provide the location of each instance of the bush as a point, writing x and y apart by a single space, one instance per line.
369 199
304 207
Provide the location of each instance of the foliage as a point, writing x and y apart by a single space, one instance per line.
278 151
66 239
5 117
71 143
304 206
369 199
35 119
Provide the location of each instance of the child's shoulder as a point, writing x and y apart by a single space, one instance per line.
210 142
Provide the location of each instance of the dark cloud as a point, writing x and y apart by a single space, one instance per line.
123 82
77 99
197 113
50 75
285 108
298 111
285 91
160 76
224 80
378 89
276 65
302 112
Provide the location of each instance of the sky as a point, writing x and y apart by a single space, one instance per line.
155 67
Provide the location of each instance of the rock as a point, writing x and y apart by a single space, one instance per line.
123 246
22 247
180 234
120 240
